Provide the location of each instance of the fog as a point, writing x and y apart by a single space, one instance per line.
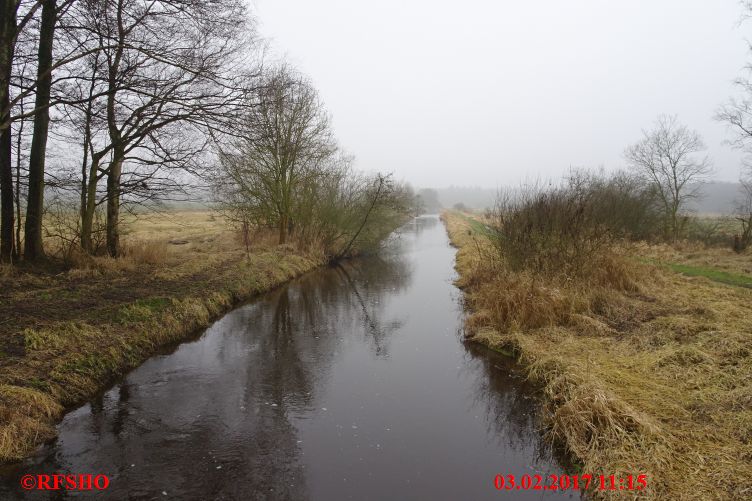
482 93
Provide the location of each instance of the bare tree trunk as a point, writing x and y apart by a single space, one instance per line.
675 221
284 211
116 164
7 33
113 204
84 186
33 246
19 156
89 200
6 192
283 229
89 183
247 237
19 141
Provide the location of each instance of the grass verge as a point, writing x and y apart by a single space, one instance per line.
713 274
67 334
641 370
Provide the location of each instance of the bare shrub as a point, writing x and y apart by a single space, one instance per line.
61 229
547 231
622 203
570 229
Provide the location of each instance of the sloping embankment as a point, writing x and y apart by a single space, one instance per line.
651 378
85 331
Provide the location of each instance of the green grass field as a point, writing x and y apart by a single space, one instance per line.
712 274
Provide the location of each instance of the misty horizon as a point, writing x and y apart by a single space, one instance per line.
524 91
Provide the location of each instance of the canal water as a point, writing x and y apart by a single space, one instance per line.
351 382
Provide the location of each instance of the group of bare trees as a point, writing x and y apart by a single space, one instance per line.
123 97
569 228
283 169
112 102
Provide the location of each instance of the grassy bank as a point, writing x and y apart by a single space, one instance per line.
66 333
694 260
642 370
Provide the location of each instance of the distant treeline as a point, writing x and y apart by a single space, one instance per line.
716 197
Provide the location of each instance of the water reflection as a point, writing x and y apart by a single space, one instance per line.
348 383
507 399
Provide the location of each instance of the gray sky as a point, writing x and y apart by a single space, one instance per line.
486 93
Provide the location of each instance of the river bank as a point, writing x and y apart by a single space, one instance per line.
350 382
652 376
66 334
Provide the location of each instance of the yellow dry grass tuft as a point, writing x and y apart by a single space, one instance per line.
147 252
26 415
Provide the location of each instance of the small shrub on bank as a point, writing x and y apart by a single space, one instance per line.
570 230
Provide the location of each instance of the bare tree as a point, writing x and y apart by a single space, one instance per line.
286 140
667 158
8 9
164 76
738 115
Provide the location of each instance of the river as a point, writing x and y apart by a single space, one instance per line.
352 382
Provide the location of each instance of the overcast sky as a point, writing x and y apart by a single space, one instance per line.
487 93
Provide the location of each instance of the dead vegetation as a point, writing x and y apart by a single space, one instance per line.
66 331
642 370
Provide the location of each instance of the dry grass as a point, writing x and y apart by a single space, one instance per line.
642 370
149 252
65 334
697 254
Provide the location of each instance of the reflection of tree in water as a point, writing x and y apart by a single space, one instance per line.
295 334
296 328
233 395
367 293
509 402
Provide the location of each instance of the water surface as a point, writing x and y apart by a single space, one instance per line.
349 383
